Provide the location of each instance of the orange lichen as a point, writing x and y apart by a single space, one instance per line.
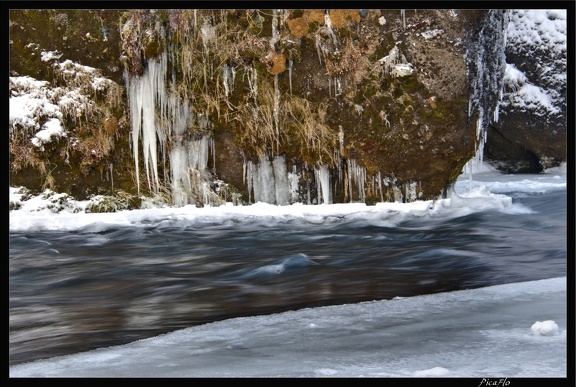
298 27
314 15
341 17
276 63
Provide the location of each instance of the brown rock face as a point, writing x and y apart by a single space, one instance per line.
378 97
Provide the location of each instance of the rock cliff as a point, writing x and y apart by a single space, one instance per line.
282 106
531 131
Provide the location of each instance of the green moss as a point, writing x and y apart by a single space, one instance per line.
153 49
119 202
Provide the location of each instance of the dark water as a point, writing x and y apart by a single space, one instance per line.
76 291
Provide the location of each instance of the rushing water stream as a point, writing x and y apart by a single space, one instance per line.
80 290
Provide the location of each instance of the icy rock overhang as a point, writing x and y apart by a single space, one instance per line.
351 126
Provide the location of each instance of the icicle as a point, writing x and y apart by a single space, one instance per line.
323 184
318 186
112 175
290 62
319 48
149 130
179 174
361 179
255 181
487 78
205 192
277 110
228 76
380 187
134 88
244 174
281 184
225 79
270 181
357 174
275 31
350 178
479 128
340 168
328 24
248 178
188 164
327 20
266 181
410 189
398 198
253 83
145 93
198 153
293 180
232 78
308 193
337 87
213 151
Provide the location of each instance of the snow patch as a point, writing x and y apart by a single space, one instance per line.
545 328
436 371
431 33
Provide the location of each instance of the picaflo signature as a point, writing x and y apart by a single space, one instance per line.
494 382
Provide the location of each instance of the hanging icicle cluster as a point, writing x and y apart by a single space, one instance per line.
159 116
487 65
268 181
